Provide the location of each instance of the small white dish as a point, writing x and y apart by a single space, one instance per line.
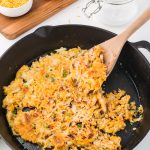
18 11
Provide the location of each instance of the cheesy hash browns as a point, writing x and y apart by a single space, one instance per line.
67 108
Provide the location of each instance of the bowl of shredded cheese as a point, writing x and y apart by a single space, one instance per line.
15 8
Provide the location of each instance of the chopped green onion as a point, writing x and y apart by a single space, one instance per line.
47 75
22 142
52 79
131 123
65 73
25 85
33 126
15 111
54 116
46 126
141 116
79 125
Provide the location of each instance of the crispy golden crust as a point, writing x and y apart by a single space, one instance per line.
68 109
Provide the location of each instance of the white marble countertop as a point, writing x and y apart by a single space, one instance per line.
74 15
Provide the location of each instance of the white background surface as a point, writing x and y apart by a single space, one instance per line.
74 15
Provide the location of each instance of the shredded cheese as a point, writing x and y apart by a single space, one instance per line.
12 3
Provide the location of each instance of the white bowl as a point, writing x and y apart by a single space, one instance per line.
18 11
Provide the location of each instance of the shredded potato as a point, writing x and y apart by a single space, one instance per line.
68 109
12 3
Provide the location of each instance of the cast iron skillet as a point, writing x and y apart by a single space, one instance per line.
132 73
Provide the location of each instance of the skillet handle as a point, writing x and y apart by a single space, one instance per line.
142 44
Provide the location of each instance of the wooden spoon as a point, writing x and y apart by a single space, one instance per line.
113 47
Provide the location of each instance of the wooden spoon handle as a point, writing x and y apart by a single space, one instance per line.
136 24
